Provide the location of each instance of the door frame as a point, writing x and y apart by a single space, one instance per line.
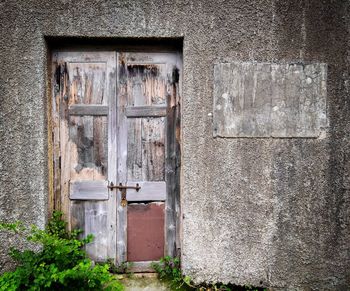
173 219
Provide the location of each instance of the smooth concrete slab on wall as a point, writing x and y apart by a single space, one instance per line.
269 100
270 210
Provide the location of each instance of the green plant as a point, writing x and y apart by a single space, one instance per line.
169 270
61 263
124 268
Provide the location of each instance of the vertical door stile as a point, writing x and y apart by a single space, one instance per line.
122 156
65 150
178 151
112 156
55 125
170 215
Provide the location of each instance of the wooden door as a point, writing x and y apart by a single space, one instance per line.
84 142
148 155
116 119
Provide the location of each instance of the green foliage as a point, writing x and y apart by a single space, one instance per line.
124 268
60 264
168 270
15 227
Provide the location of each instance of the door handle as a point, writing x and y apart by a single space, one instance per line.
123 189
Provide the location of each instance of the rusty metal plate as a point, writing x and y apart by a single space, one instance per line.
145 232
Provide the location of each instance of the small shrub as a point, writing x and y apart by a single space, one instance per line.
169 270
61 263
124 268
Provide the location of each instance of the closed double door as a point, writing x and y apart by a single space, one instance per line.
116 150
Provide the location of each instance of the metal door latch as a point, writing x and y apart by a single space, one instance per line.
123 189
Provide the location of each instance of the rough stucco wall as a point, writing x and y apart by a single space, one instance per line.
270 211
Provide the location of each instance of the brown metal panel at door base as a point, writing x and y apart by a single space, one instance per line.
145 232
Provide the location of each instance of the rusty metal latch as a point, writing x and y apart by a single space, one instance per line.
123 189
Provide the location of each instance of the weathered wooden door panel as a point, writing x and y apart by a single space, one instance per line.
84 134
149 114
88 190
116 118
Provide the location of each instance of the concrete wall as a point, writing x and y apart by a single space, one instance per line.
263 211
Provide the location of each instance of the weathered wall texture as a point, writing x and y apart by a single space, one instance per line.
269 99
256 211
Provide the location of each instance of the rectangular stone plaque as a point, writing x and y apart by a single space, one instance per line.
269 100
